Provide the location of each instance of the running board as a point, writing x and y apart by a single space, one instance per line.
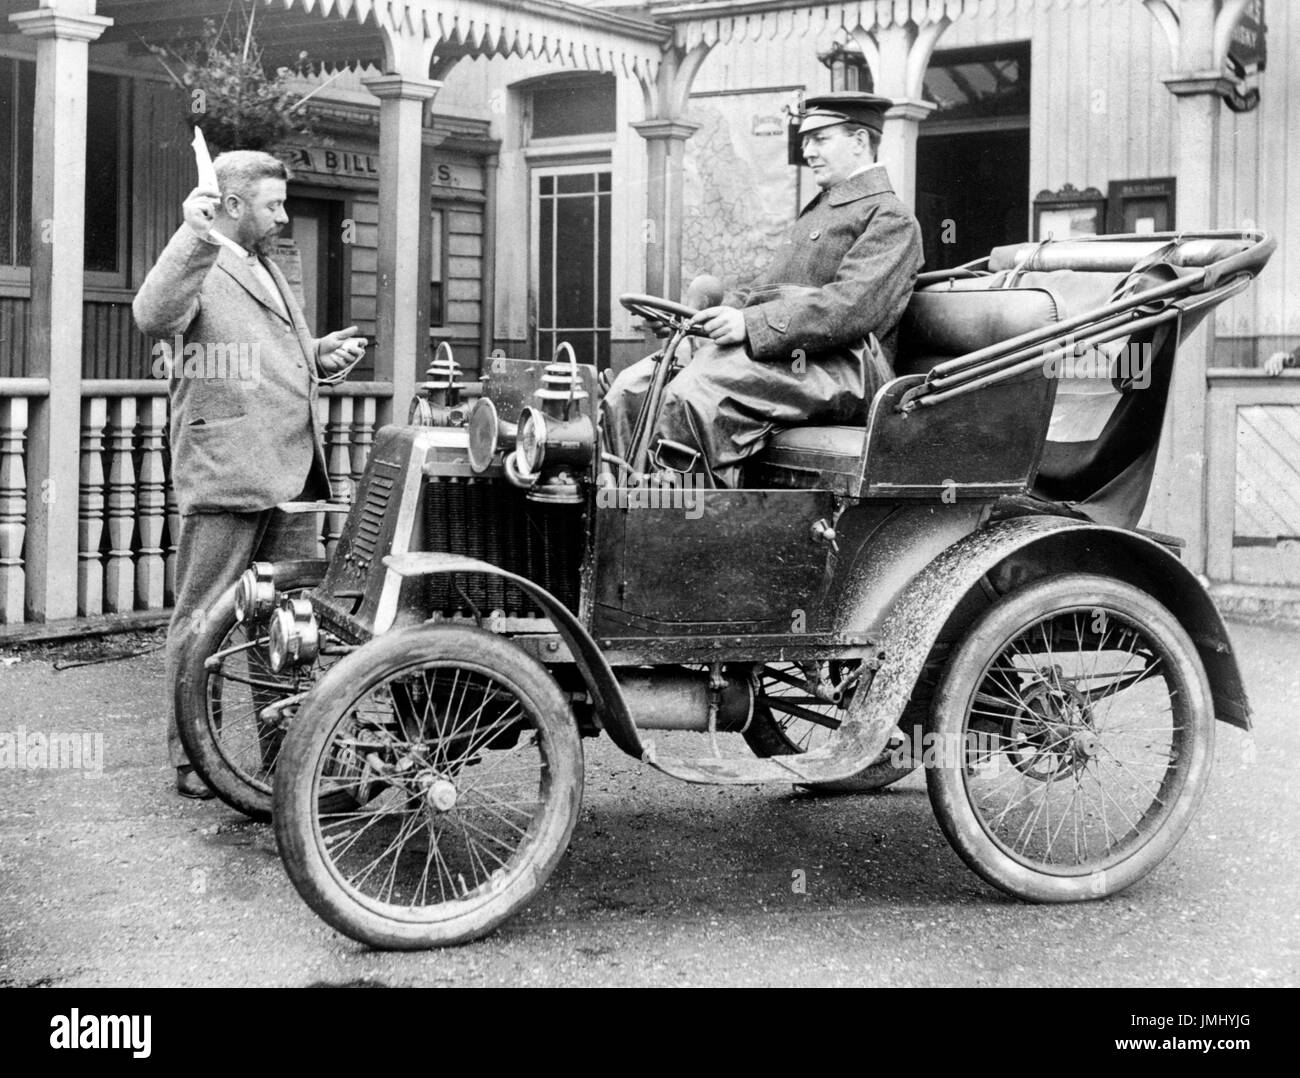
727 771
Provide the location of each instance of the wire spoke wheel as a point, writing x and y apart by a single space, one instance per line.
791 718
458 765
1074 734
225 686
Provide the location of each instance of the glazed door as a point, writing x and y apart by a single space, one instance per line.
571 278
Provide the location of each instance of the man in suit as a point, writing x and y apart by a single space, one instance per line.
243 435
815 336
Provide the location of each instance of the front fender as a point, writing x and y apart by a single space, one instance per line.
591 663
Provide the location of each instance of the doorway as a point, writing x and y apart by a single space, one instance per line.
315 228
972 194
972 154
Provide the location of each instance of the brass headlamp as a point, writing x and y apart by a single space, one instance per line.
294 637
556 438
255 593
440 406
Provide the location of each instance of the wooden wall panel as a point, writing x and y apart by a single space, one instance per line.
464 282
363 281
162 174
112 347
1259 186
14 319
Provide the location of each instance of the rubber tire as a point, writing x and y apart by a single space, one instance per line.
192 702
295 807
989 634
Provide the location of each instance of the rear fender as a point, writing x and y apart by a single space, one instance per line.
1014 552
596 672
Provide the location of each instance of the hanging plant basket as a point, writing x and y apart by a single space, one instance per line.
230 94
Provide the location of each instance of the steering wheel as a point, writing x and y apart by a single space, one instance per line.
654 309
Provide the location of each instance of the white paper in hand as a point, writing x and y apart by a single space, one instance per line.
203 159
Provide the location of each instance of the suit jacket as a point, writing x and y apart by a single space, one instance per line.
243 429
844 271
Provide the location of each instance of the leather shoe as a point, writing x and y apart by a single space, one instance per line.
188 784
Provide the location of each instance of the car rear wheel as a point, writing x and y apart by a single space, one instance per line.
1072 732
463 761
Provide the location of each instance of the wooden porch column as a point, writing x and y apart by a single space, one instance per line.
403 219
898 146
1178 494
898 57
666 150
665 133
487 331
63 32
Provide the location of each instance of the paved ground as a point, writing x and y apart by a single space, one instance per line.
112 880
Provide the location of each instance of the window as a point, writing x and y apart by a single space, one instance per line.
981 83
106 194
437 268
106 126
17 92
569 105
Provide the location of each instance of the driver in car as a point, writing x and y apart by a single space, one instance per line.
814 338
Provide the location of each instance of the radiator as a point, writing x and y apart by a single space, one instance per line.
495 522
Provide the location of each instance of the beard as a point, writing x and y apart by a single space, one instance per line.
259 243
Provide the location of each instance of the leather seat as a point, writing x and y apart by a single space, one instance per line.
941 322
1030 286
965 314
804 458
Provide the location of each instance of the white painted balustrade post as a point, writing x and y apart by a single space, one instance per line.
90 566
339 462
119 573
173 538
363 437
152 502
13 507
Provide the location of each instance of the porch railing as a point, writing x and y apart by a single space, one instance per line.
128 519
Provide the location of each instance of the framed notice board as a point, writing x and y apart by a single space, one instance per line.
1141 205
1069 212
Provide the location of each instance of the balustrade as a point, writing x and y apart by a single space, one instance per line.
128 517
90 562
13 507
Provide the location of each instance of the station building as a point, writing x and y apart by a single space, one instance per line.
494 174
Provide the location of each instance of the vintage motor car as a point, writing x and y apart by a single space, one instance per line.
960 583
